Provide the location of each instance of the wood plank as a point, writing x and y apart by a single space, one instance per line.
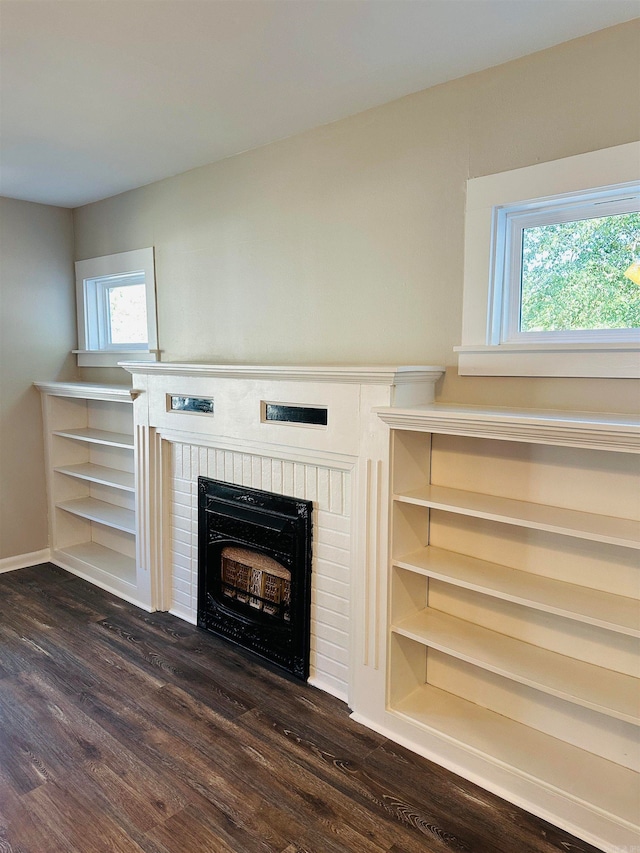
102 512
583 775
567 522
602 690
97 556
97 436
592 606
100 474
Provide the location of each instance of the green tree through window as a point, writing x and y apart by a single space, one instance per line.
573 275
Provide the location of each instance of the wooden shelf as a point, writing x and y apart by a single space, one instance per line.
566 522
96 556
558 765
88 391
609 432
108 514
101 475
89 450
97 436
583 604
603 690
550 716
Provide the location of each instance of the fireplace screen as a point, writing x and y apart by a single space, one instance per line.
256 580
254 571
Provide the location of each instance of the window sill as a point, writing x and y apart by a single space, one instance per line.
596 360
108 358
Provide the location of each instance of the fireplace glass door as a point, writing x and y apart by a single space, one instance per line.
254 571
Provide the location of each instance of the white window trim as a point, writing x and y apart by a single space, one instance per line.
482 352
106 354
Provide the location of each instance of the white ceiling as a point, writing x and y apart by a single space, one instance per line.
100 96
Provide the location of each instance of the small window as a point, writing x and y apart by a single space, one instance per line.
563 268
116 308
552 269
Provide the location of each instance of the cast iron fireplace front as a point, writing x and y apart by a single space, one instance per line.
254 571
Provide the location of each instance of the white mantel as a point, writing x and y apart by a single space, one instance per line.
406 382
342 467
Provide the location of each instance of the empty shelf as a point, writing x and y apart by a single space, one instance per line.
575 681
104 513
97 436
100 474
584 604
103 559
568 522
579 774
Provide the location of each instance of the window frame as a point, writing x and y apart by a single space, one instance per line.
103 287
95 348
492 344
510 222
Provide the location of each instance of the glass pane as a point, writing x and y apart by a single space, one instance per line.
128 314
578 275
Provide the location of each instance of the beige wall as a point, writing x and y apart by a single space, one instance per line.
345 244
37 332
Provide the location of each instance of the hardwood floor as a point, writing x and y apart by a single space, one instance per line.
122 731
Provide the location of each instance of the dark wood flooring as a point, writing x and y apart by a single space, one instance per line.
122 731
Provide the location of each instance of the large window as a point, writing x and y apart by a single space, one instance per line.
552 282
116 308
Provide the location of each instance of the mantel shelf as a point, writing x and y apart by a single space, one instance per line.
360 375
594 687
566 522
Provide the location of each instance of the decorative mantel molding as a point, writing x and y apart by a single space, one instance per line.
367 375
417 381
570 429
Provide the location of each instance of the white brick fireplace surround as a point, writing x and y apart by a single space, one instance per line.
340 467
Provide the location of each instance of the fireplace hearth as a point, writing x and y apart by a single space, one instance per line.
254 571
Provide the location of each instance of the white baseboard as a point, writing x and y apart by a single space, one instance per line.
327 687
184 613
93 575
23 561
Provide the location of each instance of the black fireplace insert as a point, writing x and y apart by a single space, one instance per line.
254 571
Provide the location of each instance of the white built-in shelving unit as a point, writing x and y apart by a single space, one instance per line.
513 612
89 442
499 639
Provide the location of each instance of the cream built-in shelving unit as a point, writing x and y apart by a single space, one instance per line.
501 640
91 479
513 612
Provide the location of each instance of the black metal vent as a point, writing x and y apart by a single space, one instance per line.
307 415
254 571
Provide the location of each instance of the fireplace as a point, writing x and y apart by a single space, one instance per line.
254 571
231 431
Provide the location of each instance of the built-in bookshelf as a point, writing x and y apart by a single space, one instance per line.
514 616
89 441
